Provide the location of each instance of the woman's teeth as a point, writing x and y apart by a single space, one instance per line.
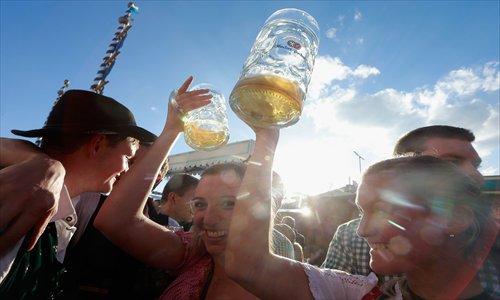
215 234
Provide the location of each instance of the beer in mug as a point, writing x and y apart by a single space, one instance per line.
273 84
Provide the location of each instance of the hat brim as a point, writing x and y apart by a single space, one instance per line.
32 133
137 132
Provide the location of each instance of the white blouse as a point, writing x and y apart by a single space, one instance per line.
329 284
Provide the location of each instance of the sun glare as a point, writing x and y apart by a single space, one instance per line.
314 167
306 211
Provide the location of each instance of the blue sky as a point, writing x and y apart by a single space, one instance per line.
383 68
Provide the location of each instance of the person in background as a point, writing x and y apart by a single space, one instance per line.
151 210
290 234
349 252
299 252
297 246
281 244
175 200
93 137
290 221
421 216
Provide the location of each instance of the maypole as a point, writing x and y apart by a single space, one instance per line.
60 92
109 59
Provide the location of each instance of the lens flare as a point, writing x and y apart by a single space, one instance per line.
396 225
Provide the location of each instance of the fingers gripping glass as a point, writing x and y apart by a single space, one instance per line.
206 127
174 103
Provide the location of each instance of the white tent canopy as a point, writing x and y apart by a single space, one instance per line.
194 162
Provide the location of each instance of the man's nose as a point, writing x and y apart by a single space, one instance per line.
363 227
474 173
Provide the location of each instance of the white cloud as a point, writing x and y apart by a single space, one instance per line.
460 82
492 77
467 81
331 33
328 69
365 71
457 97
357 15
489 171
344 119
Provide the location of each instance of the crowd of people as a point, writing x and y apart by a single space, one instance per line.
77 220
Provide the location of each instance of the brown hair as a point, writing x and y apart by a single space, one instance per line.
414 141
238 168
178 184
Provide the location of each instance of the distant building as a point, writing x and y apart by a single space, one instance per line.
491 189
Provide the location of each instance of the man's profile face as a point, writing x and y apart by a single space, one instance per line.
460 152
182 205
113 161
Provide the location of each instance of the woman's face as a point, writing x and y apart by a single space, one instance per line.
402 235
212 205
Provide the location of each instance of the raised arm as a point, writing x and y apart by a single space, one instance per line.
30 186
121 217
248 258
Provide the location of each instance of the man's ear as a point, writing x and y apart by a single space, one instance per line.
171 197
95 143
462 218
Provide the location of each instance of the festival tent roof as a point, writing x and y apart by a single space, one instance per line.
491 184
196 161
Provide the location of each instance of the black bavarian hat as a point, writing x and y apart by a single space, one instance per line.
79 111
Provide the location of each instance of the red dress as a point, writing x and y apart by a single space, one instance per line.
191 274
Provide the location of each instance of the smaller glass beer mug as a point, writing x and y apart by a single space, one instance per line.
206 128
273 83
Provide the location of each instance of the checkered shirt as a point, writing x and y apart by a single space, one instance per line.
281 245
349 252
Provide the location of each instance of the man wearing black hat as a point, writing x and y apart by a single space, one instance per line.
93 136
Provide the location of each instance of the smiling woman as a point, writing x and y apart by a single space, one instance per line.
196 258
213 207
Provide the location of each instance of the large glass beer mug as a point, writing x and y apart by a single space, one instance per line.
273 83
206 128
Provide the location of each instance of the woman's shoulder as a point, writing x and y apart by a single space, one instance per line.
191 274
193 254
